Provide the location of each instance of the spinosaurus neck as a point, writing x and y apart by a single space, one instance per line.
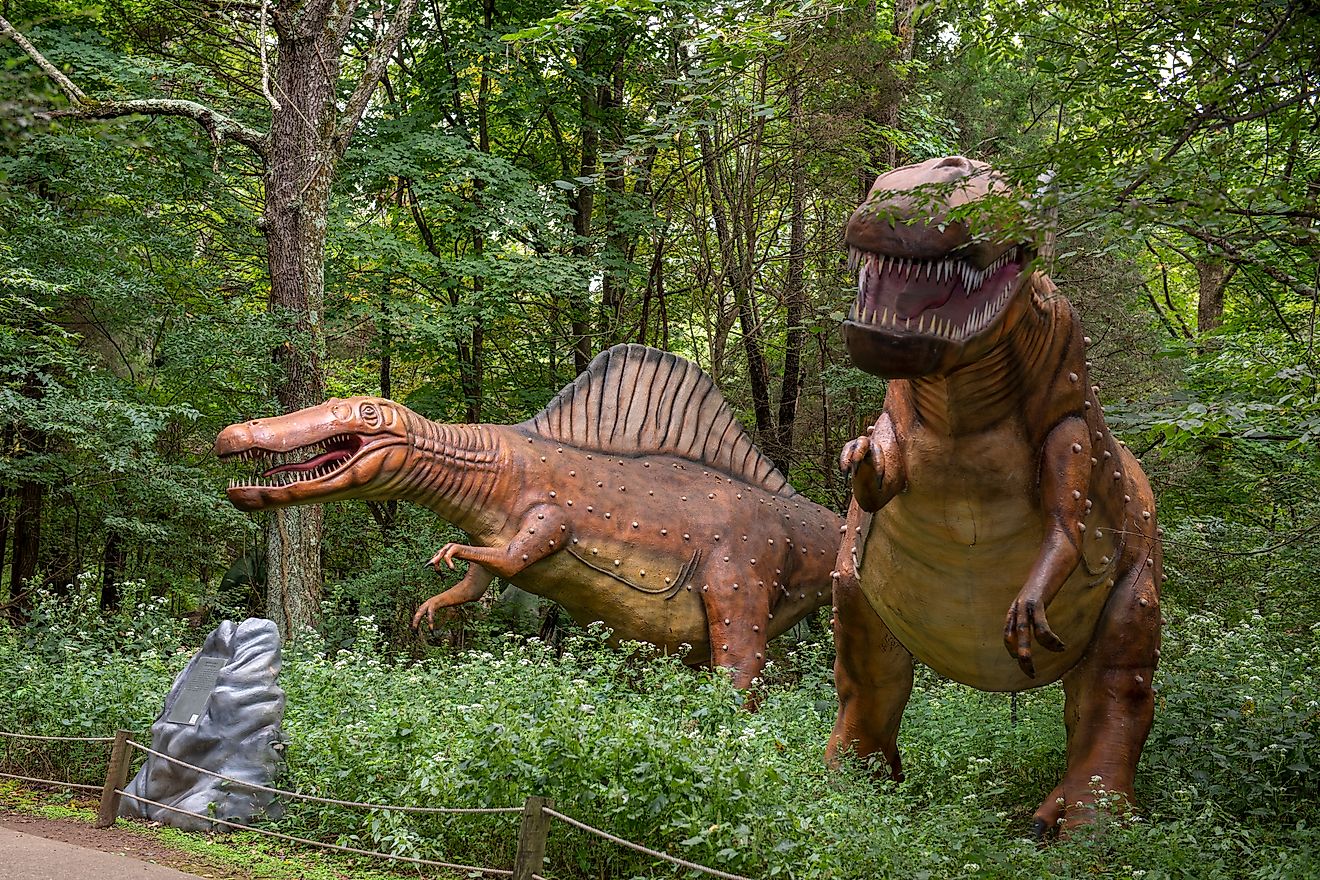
452 469
995 387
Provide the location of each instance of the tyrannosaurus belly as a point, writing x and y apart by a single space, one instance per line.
943 561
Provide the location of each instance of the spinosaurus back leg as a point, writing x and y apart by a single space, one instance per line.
737 617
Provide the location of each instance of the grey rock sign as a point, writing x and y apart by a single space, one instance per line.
222 714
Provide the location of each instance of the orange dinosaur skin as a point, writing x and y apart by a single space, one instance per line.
988 492
659 544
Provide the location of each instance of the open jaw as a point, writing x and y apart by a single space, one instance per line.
950 299
314 462
918 317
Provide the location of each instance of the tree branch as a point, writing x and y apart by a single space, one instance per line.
72 92
386 43
217 125
1233 255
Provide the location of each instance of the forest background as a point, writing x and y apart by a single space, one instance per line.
211 211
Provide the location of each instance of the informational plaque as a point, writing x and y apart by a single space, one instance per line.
197 688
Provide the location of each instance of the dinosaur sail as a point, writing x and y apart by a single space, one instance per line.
633 399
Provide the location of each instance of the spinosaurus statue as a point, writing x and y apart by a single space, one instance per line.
634 498
988 491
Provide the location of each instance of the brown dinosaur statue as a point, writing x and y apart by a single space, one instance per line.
634 498
988 492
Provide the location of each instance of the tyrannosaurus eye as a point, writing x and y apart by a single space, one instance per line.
369 414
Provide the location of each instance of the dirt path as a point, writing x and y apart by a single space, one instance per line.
116 840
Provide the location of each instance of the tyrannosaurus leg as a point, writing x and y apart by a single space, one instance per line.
873 677
1109 704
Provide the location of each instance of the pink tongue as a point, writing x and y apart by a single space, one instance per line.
920 294
323 458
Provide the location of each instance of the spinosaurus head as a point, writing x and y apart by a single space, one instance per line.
336 450
933 292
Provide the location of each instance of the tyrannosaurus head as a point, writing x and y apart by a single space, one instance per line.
335 450
933 291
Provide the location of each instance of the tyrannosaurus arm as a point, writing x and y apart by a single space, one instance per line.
471 588
544 530
1065 471
876 465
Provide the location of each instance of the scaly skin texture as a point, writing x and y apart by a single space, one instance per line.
660 547
988 493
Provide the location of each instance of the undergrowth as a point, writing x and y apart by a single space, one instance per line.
641 746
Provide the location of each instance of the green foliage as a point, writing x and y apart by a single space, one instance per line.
641 746
537 183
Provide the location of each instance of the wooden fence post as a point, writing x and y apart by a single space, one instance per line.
116 775
531 838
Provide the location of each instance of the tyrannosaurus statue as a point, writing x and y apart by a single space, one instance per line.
988 491
635 498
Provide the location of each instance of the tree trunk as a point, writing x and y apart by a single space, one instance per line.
114 557
733 217
794 287
472 368
584 204
614 284
6 510
1212 276
27 537
886 116
29 501
298 176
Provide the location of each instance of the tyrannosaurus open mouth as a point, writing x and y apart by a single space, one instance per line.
951 299
917 317
940 261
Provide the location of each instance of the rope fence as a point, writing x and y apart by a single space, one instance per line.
316 799
498 872
653 853
83 739
38 780
57 782
537 813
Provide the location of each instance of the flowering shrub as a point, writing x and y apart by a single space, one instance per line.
637 744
